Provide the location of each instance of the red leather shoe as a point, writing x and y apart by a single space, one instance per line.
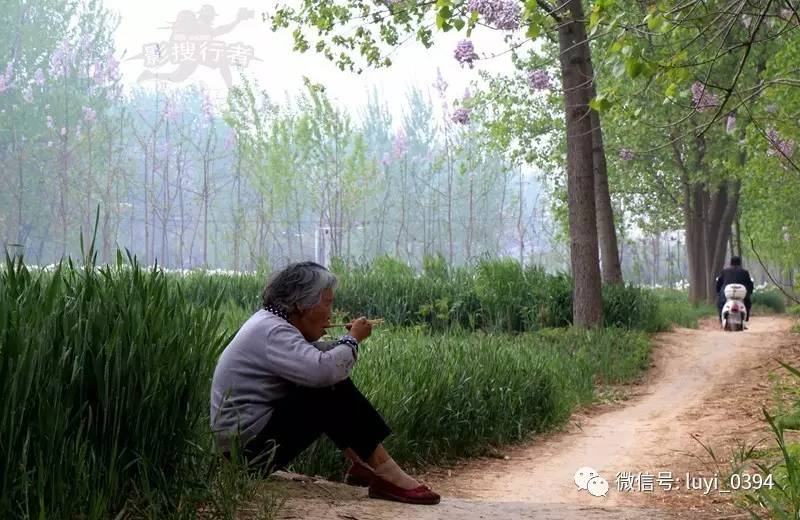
358 475
380 488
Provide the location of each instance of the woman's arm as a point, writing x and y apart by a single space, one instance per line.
325 346
292 357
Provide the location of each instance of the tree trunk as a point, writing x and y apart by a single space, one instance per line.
587 295
166 202
107 204
237 222
180 163
450 205
63 196
21 234
520 226
716 206
738 235
401 229
722 212
298 223
146 206
88 234
694 221
656 257
501 220
606 232
383 210
470 223
205 211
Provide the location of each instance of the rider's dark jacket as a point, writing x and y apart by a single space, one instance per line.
733 274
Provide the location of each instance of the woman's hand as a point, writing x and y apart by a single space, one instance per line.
360 328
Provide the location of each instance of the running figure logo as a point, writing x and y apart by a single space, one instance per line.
192 43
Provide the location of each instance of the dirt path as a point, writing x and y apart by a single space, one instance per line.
704 385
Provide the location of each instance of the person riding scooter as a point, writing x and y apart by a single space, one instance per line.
734 273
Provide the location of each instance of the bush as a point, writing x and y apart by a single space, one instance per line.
502 294
104 375
451 395
674 308
772 299
494 295
204 288
778 461
632 308
551 302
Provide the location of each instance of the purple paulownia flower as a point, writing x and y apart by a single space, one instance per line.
501 14
702 99
440 84
779 147
60 60
461 115
465 53
730 124
38 77
89 115
400 145
626 154
539 79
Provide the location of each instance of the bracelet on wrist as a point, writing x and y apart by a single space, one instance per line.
350 340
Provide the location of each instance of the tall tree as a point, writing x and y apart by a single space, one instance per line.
567 19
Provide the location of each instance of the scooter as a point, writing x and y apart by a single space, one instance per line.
734 312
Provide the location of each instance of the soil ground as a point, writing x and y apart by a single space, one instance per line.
703 393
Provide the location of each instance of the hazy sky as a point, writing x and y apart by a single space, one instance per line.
281 70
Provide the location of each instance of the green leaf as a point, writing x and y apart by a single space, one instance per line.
600 103
458 23
443 18
473 20
633 67
615 22
594 18
533 31
790 421
672 89
654 21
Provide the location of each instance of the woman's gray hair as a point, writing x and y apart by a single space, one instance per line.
297 286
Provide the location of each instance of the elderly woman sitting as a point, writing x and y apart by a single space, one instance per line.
276 389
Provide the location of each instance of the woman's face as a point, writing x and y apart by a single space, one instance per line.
313 322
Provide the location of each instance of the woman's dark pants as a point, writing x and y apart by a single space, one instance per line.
340 411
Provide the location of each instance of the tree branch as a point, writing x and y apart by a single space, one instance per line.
764 267
550 10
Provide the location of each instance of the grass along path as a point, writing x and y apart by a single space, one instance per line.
652 431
